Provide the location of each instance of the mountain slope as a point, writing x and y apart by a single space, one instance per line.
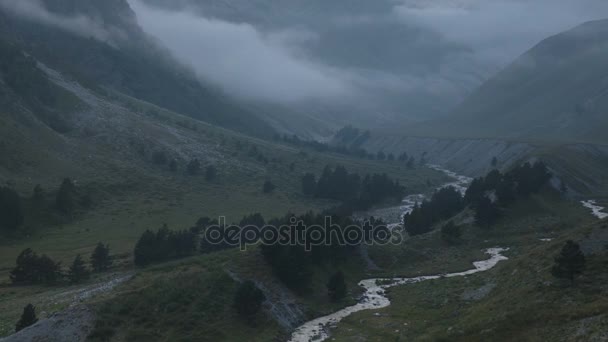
398 71
557 91
101 45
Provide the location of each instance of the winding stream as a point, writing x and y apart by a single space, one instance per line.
375 289
596 210
375 298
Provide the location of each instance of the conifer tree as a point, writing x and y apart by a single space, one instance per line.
309 184
210 173
65 197
451 233
486 213
336 287
268 187
570 262
248 299
100 258
78 271
11 213
27 318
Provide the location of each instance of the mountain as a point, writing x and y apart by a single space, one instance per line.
398 72
557 91
101 45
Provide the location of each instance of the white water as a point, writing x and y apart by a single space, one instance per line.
375 289
598 211
460 183
375 298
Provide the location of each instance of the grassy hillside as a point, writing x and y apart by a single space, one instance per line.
111 152
519 299
129 62
557 91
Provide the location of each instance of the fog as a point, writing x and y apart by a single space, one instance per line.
241 59
395 57
500 30
79 25
278 58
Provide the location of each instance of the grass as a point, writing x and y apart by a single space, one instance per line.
518 300
131 194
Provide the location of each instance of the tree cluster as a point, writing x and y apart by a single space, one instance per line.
522 180
28 317
570 262
162 245
32 268
488 194
336 287
350 188
444 203
451 233
248 299
11 212
293 263
351 149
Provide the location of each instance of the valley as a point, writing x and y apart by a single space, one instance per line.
131 131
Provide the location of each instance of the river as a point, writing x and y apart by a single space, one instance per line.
374 296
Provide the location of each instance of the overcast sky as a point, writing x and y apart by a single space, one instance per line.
277 63
273 65
500 30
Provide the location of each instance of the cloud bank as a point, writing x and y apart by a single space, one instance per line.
79 25
240 58
500 30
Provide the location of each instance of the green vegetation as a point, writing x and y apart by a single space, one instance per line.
570 262
78 271
248 299
354 191
163 245
34 269
27 318
519 298
444 203
11 212
100 258
336 287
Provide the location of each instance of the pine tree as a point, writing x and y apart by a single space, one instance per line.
248 299
563 187
173 165
38 194
336 287
78 271
309 184
486 213
210 173
65 197
145 249
570 262
27 318
11 213
194 167
268 187
34 269
451 233
100 258
411 163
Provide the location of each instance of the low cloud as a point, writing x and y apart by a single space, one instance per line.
246 62
78 25
500 30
